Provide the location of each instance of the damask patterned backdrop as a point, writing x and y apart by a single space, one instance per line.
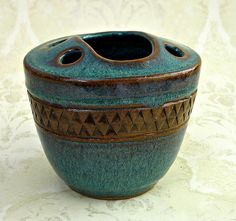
200 186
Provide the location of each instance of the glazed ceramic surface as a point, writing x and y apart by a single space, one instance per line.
111 109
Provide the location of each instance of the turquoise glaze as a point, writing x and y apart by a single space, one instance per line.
89 67
94 67
111 169
111 108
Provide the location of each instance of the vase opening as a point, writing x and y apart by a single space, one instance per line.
120 46
70 56
177 52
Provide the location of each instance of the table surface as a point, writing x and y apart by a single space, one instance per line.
201 184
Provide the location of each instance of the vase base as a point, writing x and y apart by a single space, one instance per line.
122 197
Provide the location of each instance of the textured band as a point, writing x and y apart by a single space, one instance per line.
111 124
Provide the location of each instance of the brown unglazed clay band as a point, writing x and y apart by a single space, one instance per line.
112 124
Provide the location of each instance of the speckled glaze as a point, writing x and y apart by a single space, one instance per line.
111 126
111 169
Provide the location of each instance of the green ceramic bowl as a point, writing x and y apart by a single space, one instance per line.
111 108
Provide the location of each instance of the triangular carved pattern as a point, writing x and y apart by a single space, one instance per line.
111 123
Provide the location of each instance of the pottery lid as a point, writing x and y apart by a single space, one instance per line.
110 55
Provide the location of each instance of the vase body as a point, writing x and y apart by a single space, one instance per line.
111 108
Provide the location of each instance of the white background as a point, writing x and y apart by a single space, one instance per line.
200 186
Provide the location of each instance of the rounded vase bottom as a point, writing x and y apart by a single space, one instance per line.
118 170
113 197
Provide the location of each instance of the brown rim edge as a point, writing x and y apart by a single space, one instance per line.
129 80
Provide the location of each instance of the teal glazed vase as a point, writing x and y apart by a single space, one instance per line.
111 108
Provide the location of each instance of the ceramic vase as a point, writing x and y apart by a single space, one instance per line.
111 109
